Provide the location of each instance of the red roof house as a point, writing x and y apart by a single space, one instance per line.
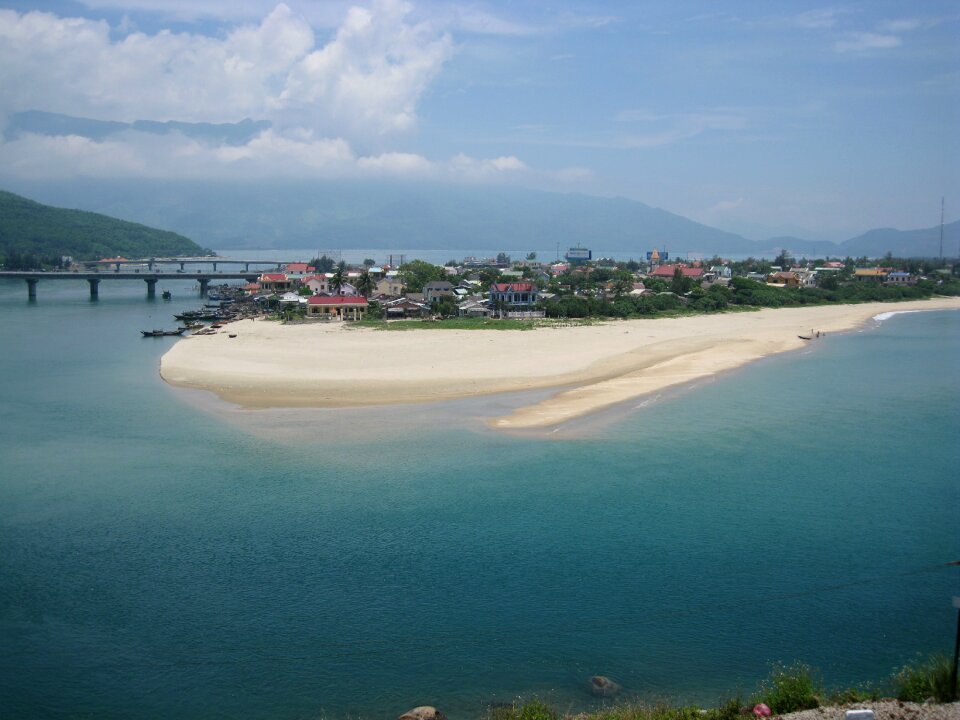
337 307
666 271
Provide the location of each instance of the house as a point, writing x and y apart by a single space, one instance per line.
405 308
389 286
667 271
514 295
299 269
436 289
317 283
474 308
875 274
336 307
721 271
277 283
784 279
901 278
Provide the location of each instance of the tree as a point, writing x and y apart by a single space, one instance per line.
339 278
365 283
445 307
680 283
622 283
531 256
488 276
503 259
417 273
323 264
369 262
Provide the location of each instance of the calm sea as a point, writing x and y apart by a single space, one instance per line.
159 558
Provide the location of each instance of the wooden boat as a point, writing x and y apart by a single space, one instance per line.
163 333
805 337
166 295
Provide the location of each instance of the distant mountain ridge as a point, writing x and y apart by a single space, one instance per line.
404 216
31 228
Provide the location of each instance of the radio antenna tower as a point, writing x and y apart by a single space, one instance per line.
941 228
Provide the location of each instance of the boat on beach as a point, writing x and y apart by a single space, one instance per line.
163 333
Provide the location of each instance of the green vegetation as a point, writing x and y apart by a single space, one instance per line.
930 678
463 323
33 235
788 689
417 273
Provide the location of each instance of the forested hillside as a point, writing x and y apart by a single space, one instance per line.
30 232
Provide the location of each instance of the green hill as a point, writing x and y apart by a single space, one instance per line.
30 229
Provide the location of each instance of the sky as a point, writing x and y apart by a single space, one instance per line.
762 118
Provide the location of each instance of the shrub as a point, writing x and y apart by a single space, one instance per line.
536 710
930 678
790 688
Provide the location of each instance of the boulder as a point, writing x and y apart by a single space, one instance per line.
602 686
424 712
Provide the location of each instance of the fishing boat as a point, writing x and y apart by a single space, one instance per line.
166 295
163 333
805 337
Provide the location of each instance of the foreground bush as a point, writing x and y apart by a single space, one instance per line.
789 689
931 678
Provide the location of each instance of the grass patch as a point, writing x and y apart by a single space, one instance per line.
930 678
471 324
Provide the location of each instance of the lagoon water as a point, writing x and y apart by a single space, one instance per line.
160 560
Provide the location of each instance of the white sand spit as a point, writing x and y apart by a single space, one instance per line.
331 365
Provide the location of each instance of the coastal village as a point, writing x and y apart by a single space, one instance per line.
503 288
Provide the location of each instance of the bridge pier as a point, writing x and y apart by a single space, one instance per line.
117 269
204 284
246 267
214 267
181 266
151 287
32 288
94 288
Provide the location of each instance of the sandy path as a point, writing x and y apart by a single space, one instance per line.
333 365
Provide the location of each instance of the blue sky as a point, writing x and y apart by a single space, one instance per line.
764 118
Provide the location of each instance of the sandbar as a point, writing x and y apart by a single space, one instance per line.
269 364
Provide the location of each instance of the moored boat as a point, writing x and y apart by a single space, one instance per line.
163 333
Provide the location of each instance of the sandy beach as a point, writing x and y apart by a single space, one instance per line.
593 366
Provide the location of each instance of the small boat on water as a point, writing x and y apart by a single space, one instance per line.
163 333
166 295
805 337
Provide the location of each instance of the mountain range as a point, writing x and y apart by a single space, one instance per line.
418 216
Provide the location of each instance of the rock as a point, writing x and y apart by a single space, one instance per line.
424 712
602 686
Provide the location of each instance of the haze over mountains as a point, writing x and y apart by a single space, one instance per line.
356 214
402 215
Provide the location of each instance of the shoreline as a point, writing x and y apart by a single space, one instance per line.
269 365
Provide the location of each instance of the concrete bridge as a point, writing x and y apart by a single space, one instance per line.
32 278
116 264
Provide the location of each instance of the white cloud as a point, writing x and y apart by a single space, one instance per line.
862 41
268 156
823 18
664 129
365 82
468 167
725 206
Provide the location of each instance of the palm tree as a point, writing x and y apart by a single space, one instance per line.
336 282
365 284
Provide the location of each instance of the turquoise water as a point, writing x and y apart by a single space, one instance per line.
156 561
